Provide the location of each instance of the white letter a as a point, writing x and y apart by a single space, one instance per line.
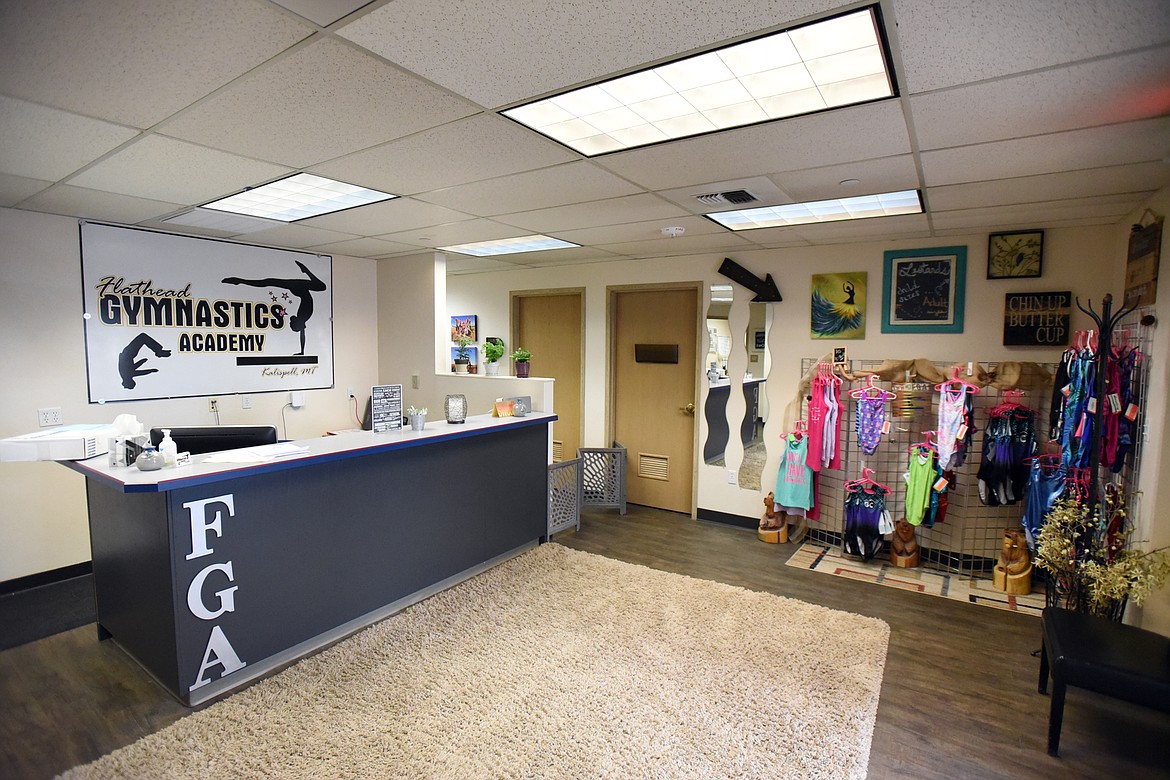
224 654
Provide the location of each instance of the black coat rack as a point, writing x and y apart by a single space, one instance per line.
1105 323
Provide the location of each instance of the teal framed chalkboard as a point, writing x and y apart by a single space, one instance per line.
923 290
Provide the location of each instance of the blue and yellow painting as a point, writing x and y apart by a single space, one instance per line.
838 305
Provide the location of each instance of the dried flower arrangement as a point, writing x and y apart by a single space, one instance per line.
1089 561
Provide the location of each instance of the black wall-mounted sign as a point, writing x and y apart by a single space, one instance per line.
1037 319
656 353
765 289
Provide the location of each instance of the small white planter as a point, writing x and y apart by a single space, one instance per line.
493 368
417 421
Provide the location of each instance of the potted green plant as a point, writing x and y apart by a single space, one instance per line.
418 417
520 357
492 352
462 354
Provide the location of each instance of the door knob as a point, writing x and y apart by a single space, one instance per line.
688 409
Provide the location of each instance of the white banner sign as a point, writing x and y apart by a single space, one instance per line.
169 316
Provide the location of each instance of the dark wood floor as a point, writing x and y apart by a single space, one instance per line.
958 698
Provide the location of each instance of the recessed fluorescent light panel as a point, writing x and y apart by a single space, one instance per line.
300 196
886 204
508 246
834 62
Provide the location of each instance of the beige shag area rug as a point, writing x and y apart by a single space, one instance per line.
555 664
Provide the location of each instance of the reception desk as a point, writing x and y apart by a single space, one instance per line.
211 575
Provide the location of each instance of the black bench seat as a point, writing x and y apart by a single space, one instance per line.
1102 656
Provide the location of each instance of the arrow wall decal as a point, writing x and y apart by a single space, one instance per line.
765 289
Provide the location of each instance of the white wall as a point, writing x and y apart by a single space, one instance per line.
1073 260
43 523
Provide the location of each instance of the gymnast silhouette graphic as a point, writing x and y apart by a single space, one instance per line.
128 364
301 288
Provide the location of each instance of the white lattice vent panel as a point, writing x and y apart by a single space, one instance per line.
653 466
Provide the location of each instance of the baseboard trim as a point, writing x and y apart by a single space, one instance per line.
728 519
46 578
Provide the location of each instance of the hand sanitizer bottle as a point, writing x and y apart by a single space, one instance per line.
168 448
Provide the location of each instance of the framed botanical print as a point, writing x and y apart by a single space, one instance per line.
923 289
1017 255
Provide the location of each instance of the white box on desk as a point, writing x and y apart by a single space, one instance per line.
65 442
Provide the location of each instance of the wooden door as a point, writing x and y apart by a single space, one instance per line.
654 403
549 326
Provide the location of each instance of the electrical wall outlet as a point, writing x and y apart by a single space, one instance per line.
49 416
213 405
349 393
414 381
245 402
296 399
731 477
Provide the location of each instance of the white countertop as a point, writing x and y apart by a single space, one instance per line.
322 449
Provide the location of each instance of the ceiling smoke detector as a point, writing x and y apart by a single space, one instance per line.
674 231
737 197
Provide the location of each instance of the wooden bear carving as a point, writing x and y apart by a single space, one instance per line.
904 545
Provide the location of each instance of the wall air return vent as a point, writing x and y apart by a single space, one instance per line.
737 197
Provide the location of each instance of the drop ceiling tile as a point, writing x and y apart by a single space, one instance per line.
322 12
362 247
949 42
511 51
96 204
1120 89
321 101
454 233
1097 147
297 236
829 138
566 256
159 168
457 264
46 143
135 62
1111 208
638 231
472 149
884 174
576 182
631 208
1138 178
14 189
388 216
683 245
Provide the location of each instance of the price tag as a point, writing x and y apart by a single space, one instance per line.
962 434
885 427
1114 402
1131 413
1092 405
940 484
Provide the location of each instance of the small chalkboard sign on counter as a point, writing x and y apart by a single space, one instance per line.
386 407
923 290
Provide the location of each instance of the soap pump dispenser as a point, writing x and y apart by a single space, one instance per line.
168 448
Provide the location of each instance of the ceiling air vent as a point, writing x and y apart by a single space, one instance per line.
737 197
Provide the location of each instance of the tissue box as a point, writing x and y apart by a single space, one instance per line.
65 442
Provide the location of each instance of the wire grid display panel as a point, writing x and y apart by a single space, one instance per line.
1131 332
564 495
968 540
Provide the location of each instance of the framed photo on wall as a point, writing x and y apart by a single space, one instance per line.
1017 255
923 289
463 325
